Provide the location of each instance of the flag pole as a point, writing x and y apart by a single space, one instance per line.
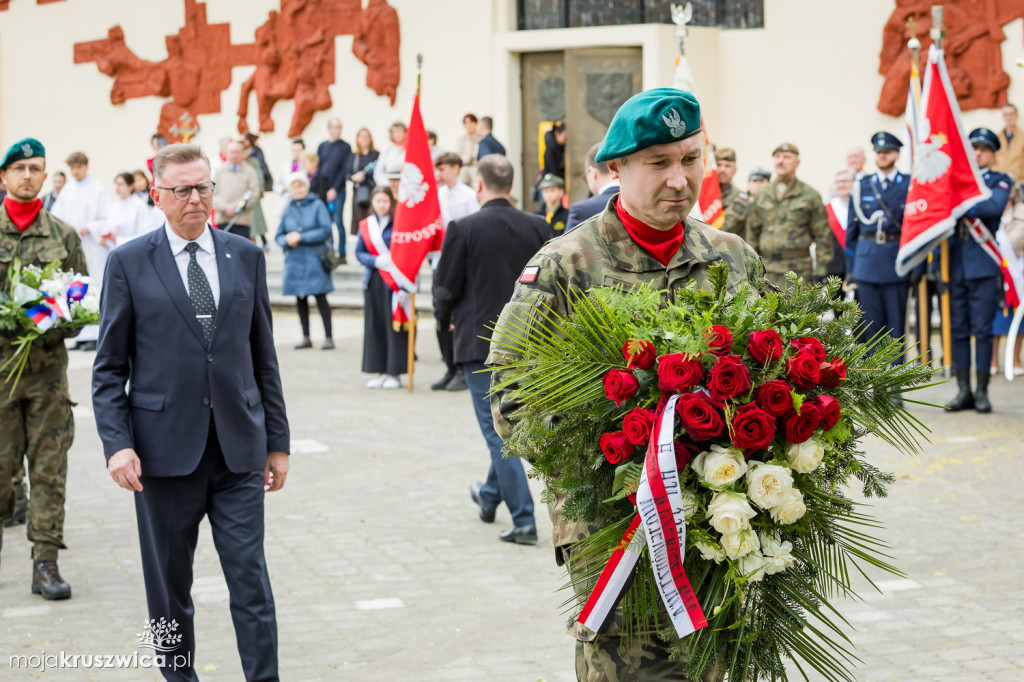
413 316
938 32
924 323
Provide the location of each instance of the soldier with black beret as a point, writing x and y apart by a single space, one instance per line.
35 419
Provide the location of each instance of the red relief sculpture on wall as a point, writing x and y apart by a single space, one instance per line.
6 4
293 53
973 50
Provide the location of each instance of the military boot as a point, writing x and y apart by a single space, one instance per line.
20 511
46 580
964 400
981 401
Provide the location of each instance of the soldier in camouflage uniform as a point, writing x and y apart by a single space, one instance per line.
644 235
736 211
36 421
725 164
785 219
20 497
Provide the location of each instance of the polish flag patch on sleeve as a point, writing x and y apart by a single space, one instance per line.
529 275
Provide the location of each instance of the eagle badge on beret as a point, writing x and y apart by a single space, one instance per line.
26 149
675 123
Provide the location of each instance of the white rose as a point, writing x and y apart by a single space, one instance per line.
777 554
805 457
710 552
730 512
752 566
739 544
720 465
766 483
789 509
91 302
52 287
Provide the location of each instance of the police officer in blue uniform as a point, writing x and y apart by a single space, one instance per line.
873 238
975 281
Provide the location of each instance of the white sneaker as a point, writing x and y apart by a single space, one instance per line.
390 383
377 381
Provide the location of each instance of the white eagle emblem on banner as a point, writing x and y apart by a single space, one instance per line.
675 123
411 188
930 164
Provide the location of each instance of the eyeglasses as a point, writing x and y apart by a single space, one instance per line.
25 169
184 192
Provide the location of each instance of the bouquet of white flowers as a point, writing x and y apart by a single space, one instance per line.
40 300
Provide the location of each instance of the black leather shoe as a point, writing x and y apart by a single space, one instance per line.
964 399
20 511
458 383
443 383
521 535
46 581
486 515
88 345
981 401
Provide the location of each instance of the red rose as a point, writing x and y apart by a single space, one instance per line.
833 372
810 344
752 428
700 418
804 370
829 409
616 447
765 345
637 425
639 354
719 338
774 397
800 426
728 378
686 450
678 372
620 385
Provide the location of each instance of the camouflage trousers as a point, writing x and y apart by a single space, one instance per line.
605 660
36 425
18 483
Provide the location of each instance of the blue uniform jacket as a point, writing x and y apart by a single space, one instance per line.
363 254
967 259
866 260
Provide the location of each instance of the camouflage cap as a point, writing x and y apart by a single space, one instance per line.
725 154
657 116
28 148
786 147
550 180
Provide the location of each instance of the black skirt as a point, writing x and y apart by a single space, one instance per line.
385 351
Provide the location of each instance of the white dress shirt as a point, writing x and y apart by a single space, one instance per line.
205 256
456 202
884 181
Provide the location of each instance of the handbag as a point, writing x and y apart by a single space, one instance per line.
363 194
328 259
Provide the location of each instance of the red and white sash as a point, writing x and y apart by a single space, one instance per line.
372 235
838 225
660 511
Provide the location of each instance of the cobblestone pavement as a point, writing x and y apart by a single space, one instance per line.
382 571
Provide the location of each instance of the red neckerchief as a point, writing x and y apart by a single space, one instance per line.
22 213
660 244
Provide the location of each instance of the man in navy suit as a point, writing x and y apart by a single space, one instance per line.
602 185
975 281
873 231
201 430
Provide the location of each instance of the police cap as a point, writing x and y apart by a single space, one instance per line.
28 148
885 142
760 174
986 138
550 180
658 116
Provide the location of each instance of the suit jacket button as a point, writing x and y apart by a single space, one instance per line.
209 358
206 401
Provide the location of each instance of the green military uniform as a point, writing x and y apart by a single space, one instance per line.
36 421
736 214
599 252
729 192
782 228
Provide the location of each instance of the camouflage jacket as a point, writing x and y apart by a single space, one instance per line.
729 192
46 239
599 252
736 214
782 230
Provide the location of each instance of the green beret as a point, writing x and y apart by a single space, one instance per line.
25 149
550 180
657 116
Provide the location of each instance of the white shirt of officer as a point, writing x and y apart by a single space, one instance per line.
206 256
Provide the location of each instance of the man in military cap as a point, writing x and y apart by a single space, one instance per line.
736 210
725 164
873 228
644 235
36 421
785 219
975 280
556 205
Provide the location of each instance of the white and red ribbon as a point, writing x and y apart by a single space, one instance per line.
660 511
401 304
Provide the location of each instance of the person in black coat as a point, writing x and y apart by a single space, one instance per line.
602 188
482 257
554 150
360 173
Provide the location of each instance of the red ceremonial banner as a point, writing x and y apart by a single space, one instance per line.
945 182
418 229
710 198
